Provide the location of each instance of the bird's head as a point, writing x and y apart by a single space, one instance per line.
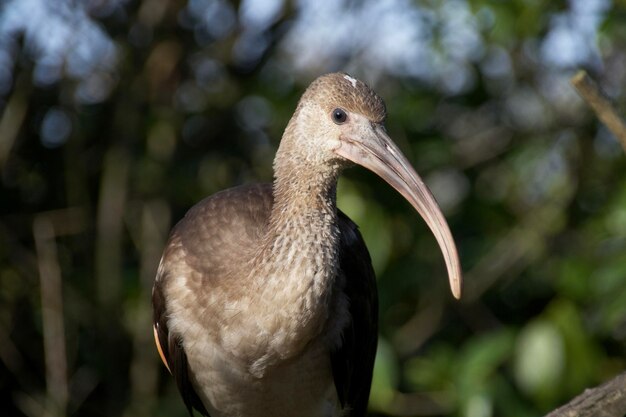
339 122
334 107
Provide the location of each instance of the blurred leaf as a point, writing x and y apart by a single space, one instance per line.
372 220
479 359
386 374
540 360
582 354
574 278
434 370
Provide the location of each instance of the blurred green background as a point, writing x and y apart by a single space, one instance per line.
116 116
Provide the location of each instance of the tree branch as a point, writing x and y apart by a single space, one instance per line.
607 400
601 105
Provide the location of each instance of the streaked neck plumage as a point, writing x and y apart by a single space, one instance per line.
304 189
293 274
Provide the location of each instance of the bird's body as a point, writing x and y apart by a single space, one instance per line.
263 342
265 299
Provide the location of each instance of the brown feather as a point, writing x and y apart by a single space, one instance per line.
352 360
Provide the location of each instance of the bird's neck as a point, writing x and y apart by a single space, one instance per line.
302 191
305 196
294 276
302 227
302 187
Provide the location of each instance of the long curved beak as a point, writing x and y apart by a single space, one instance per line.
372 148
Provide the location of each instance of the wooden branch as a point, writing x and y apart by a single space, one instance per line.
607 400
13 118
52 317
601 105
110 227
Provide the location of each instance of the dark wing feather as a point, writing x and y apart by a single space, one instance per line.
353 361
171 350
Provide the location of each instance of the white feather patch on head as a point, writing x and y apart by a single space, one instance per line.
352 80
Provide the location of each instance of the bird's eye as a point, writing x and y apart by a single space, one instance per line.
339 116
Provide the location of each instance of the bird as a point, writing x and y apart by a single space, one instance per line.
265 300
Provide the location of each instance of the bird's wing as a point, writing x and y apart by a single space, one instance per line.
171 351
353 360
197 252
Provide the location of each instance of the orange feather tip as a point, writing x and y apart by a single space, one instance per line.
158 346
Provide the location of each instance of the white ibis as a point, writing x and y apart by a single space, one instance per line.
265 300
